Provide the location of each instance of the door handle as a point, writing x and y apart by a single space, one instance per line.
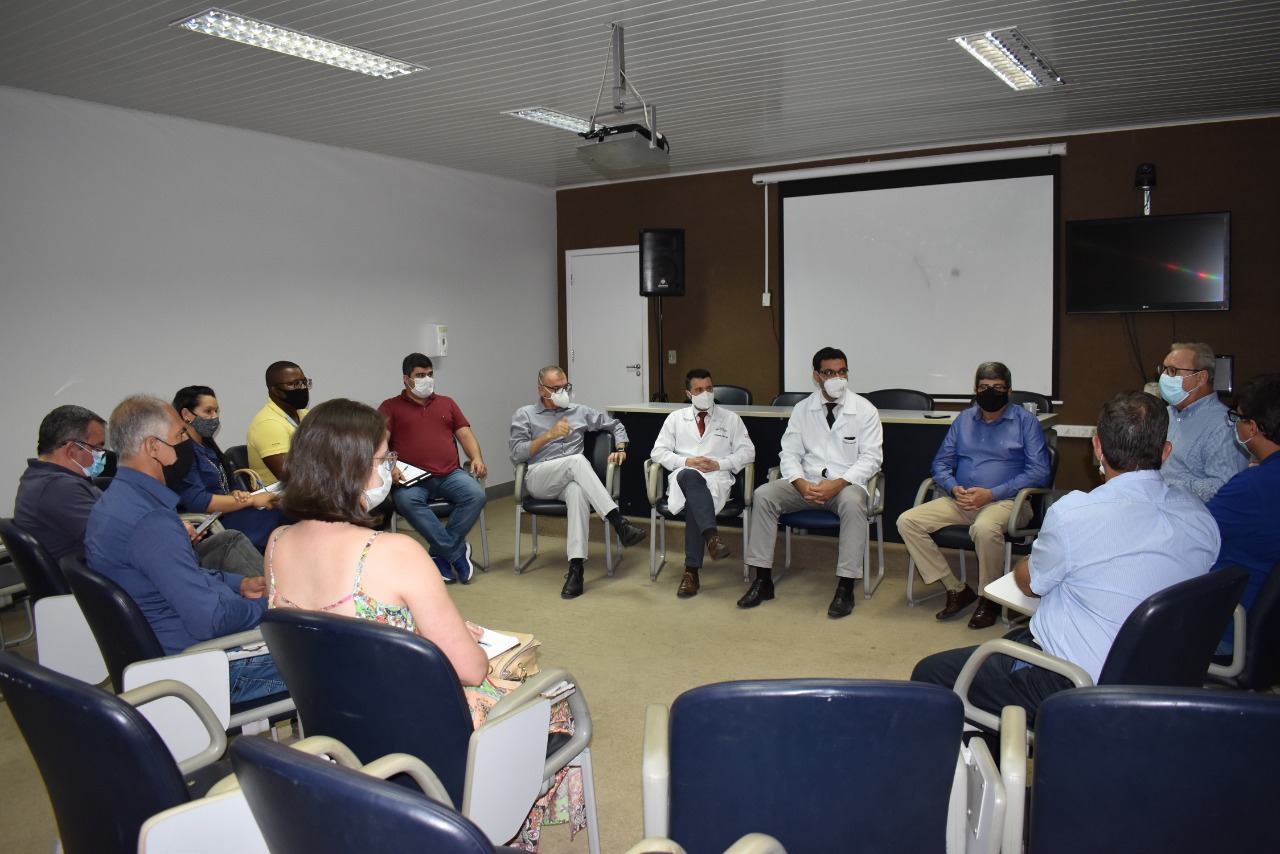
635 368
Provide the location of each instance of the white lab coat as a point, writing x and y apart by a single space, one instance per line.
851 448
725 441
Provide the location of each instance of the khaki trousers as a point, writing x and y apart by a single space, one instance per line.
986 529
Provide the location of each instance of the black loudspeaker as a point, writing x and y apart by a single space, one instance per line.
662 262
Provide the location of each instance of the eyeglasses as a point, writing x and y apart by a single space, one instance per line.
93 449
389 457
295 384
1172 371
553 389
838 372
999 389
1233 417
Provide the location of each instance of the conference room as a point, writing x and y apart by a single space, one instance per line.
178 210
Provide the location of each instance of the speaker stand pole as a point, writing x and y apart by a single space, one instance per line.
660 396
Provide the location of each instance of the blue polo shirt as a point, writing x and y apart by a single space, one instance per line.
1004 456
136 539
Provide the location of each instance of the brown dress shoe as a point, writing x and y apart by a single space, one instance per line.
984 616
688 584
716 547
957 601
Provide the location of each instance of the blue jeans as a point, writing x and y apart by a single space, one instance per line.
253 678
445 539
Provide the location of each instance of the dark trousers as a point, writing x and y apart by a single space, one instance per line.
997 684
699 515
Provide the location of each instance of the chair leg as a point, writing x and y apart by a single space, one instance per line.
611 559
868 588
657 540
31 628
583 760
395 517
913 600
484 544
533 524
746 537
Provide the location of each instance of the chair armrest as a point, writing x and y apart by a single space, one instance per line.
773 474
226 642
1024 495
144 694
1236 667
613 480
466 466
749 484
388 766
553 683
518 490
875 494
1022 652
654 482
924 491
655 770
1013 773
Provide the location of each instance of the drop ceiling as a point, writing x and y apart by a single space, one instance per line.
736 84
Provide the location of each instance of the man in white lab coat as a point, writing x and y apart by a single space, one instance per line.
830 450
703 447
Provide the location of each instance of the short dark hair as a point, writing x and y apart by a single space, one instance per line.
1259 401
329 461
1132 427
189 397
695 374
67 423
826 354
275 369
993 371
414 360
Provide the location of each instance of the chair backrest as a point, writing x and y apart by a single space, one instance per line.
1262 637
375 688
597 445
1155 769
899 398
121 629
1040 503
238 456
1020 397
1170 638
40 572
305 804
790 398
819 764
105 768
731 395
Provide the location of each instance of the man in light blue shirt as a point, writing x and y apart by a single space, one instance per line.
1205 454
1098 556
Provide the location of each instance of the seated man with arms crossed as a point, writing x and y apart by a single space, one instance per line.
135 539
548 435
288 392
1098 556
703 447
1205 451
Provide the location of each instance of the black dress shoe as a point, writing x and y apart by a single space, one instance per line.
841 604
984 616
760 591
629 534
957 601
572 581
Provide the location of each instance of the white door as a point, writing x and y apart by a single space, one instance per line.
608 327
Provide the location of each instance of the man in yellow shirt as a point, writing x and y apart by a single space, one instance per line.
271 430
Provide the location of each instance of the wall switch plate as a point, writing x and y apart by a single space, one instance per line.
671 357
766 299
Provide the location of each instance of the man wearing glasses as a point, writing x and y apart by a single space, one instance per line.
991 451
271 430
56 491
548 435
830 450
1205 454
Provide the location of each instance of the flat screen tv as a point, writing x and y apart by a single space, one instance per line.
1149 263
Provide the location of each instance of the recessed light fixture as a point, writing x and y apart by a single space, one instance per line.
542 115
1011 57
250 31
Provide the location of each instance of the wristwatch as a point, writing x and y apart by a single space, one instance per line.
622 447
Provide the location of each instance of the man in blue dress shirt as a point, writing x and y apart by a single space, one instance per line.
135 538
1205 454
991 451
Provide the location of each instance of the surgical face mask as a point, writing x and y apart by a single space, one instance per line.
835 386
991 400
99 461
560 397
1171 389
424 387
1244 443
703 400
206 427
378 494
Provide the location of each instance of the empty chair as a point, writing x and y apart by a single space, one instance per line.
1043 404
238 456
40 572
818 764
728 395
790 398
825 520
899 398
738 506
1255 664
12 587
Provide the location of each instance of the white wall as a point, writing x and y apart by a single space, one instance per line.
142 253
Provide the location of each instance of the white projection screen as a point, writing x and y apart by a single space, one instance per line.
920 276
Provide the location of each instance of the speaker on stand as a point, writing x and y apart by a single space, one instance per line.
661 274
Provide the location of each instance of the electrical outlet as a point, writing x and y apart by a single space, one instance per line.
671 357
766 299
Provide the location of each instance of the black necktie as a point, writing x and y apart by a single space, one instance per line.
831 414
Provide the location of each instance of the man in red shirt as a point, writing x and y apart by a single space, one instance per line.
423 428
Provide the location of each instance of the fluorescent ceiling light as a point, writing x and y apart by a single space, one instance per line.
543 116
1007 53
250 31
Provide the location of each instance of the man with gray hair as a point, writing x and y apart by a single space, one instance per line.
1205 453
548 435
135 538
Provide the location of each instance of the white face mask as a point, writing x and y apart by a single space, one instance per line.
835 386
424 387
378 494
703 400
560 397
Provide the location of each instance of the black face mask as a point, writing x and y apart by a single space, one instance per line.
992 401
177 472
297 397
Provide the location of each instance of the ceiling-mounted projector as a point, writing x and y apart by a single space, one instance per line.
615 149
